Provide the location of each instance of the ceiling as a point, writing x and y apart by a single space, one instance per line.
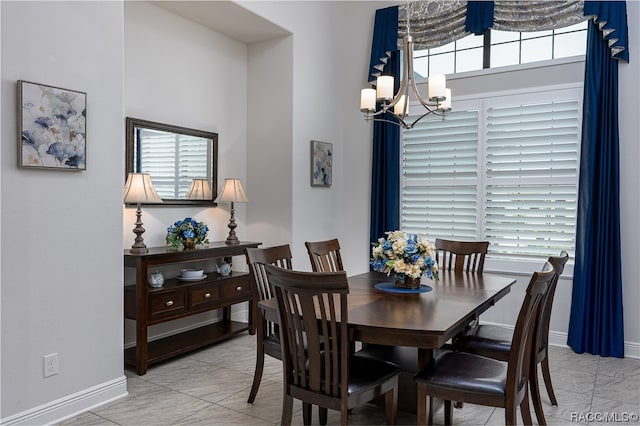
225 17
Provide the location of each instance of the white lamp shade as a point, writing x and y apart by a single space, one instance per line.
384 87
139 189
232 192
398 109
199 190
368 100
437 85
446 104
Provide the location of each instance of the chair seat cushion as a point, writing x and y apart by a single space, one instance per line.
488 340
468 373
366 373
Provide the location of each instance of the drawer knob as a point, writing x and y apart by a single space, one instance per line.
207 295
169 303
239 288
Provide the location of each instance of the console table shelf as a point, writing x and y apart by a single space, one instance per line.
148 306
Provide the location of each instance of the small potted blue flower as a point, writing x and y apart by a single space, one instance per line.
187 233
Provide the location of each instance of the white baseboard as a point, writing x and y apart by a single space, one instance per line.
556 338
72 405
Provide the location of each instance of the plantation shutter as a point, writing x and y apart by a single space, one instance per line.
440 176
521 195
531 178
175 160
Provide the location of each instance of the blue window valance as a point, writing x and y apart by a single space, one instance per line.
434 23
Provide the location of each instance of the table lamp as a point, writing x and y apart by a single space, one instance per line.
199 190
138 190
232 192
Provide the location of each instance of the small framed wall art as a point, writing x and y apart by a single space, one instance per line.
321 163
52 127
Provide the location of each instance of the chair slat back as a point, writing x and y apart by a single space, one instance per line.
461 256
558 263
325 255
521 345
313 311
256 259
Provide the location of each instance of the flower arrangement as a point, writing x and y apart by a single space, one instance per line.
403 253
187 232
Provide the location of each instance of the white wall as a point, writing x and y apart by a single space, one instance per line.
61 241
269 141
629 111
317 83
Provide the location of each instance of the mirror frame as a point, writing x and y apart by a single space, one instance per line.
133 123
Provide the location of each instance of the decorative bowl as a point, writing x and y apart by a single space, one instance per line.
191 273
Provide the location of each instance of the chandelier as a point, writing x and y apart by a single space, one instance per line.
439 101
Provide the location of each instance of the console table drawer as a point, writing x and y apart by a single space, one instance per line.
204 295
236 289
166 304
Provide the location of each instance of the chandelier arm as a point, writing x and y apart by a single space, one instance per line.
427 104
435 112
401 122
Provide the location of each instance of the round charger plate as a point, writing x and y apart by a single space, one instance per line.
390 287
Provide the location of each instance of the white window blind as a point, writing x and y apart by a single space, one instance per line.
175 160
501 168
440 175
531 178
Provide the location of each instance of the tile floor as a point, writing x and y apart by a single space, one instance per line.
211 386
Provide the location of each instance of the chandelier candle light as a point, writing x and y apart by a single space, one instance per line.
439 101
232 192
139 190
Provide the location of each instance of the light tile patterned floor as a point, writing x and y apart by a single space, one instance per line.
211 386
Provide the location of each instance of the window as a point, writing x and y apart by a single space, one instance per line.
501 168
502 48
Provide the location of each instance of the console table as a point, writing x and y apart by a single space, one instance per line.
148 306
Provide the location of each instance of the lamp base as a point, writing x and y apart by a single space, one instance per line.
138 250
138 245
232 239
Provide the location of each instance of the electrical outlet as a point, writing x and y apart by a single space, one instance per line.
50 364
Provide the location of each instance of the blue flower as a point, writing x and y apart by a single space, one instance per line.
411 248
45 122
378 265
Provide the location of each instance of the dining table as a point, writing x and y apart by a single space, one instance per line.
412 326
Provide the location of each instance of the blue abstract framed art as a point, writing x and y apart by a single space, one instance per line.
52 127
321 163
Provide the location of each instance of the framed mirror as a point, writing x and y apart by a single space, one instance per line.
182 162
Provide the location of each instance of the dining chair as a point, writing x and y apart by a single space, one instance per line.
466 377
267 332
494 341
319 368
461 256
325 255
